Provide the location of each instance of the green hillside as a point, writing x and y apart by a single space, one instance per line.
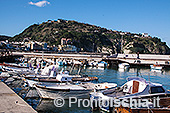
90 36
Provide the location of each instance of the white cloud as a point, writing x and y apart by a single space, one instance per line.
40 3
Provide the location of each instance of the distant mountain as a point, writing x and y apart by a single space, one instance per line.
92 38
3 37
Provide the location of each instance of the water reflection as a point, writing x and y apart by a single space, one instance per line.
119 76
48 106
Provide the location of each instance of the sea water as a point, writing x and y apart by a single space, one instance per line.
113 74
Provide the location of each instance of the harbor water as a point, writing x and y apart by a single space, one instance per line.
104 74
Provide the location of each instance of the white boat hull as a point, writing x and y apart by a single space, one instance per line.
52 94
124 66
31 82
156 67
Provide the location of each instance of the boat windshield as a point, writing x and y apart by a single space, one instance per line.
158 89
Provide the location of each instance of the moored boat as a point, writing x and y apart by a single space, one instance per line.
136 88
124 65
102 64
156 66
61 77
63 90
4 76
66 90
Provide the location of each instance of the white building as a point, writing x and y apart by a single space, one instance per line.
145 35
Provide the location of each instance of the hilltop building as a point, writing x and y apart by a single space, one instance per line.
145 35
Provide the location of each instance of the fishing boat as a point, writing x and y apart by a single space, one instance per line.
4 76
64 76
48 80
61 77
124 66
15 70
77 62
63 90
13 65
156 66
66 90
136 88
47 72
102 64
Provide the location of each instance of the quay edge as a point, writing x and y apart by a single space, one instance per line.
11 102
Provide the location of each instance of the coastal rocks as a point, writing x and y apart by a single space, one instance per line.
133 47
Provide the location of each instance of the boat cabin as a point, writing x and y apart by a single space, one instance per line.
134 85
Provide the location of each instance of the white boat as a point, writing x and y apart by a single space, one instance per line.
47 72
102 64
77 62
135 88
66 90
23 65
63 76
63 90
4 76
47 69
48 79
15 70
30 82
93 63
105 85
156 67
124 65
98 86
156 71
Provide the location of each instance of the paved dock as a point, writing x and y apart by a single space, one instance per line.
10 102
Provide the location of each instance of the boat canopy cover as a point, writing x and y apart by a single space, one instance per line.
136 78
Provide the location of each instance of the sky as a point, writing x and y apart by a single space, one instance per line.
136 16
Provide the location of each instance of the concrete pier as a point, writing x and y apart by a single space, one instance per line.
10 102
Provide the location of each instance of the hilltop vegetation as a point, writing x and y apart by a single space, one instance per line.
92 38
